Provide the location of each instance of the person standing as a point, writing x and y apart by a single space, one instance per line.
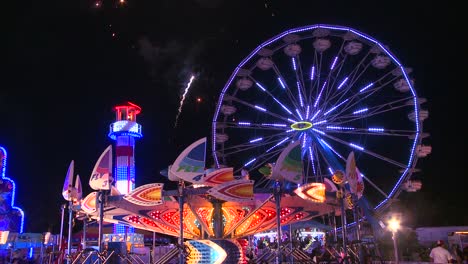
439 254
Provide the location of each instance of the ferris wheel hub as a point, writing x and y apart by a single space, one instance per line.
301 125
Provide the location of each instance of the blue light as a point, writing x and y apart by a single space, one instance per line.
277 144
342 83
281 83
360 111
334 63
333 108
319 122
315 115
274 124
375 129
260 86
312 73
340 128
299 93
124 128
365 88
311 156
255 140
299 113
250 162
320 94
3 161
294 63
244 123
284 107
356 146
260 108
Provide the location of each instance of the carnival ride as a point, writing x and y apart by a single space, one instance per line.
293 120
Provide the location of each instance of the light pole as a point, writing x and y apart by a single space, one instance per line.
394 225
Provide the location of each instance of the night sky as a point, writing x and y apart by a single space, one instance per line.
67 63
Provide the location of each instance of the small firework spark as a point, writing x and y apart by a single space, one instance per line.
183 98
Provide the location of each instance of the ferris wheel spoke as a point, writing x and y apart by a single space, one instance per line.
265 90
285 85
356 147
301 94
259 109
249 125
366 112
269 142
371 131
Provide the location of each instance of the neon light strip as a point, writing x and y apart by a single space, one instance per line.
356 146
360 111
342 83
320 94
365 88
281 83
334 63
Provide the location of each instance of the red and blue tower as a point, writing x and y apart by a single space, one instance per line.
124 131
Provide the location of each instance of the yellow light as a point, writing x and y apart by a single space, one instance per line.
301 125
394 224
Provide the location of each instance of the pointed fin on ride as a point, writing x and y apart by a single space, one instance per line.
289 164
68 183
190 163
101 177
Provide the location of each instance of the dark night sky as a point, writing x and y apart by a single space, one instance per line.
65 71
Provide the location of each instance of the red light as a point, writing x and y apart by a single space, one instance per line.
199 99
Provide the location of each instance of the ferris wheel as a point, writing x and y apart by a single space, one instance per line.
334 89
